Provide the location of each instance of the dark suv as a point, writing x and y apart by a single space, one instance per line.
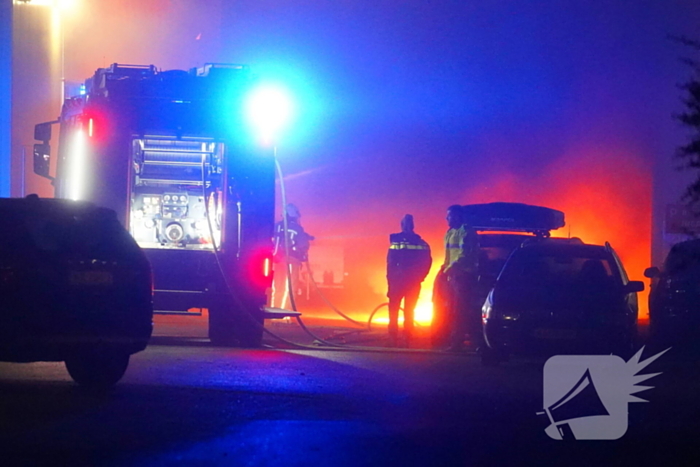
560 295
674 300
74 287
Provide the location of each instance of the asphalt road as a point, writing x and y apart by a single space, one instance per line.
183 402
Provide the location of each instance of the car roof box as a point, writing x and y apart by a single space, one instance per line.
513 217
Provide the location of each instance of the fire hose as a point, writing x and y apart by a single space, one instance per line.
328 345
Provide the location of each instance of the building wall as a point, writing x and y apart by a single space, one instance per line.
670 183
36 88
5 94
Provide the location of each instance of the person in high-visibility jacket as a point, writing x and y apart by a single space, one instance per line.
408 262
457 282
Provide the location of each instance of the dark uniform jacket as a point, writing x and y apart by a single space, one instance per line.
297 239
408 260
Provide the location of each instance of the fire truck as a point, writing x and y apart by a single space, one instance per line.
170 152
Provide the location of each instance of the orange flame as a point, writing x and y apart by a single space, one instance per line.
606 197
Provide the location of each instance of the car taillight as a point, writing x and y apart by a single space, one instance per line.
486 311
487 308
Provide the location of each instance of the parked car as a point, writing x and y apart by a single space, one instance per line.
559 296
674 299
74 287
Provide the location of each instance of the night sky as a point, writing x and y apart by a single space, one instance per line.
408 107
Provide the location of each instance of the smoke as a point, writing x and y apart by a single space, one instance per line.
49 48
170 35
604 192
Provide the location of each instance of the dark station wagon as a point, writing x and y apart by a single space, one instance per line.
560 295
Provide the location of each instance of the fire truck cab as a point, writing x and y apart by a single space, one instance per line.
169 151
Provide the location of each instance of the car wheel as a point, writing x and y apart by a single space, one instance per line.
232 328
98 369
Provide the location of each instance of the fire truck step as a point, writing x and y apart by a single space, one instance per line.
177 312
279 313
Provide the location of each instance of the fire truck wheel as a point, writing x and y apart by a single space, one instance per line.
234 329
251 336
98 369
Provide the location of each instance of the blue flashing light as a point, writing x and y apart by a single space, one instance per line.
83 90
269 110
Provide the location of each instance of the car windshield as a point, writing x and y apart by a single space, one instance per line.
565 267
495 250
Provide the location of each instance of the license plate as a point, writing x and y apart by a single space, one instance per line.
91 278
555 333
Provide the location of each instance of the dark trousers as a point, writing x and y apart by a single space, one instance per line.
464 311
409 294
442 302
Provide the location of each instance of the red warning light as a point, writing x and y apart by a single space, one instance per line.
95 125
260 268
267 270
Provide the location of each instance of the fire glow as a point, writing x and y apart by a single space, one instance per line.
605 196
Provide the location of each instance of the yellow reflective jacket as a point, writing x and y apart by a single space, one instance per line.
461 250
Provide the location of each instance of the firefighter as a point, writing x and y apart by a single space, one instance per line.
456 284
408 262
298 242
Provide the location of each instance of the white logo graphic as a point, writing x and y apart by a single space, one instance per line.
586 396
